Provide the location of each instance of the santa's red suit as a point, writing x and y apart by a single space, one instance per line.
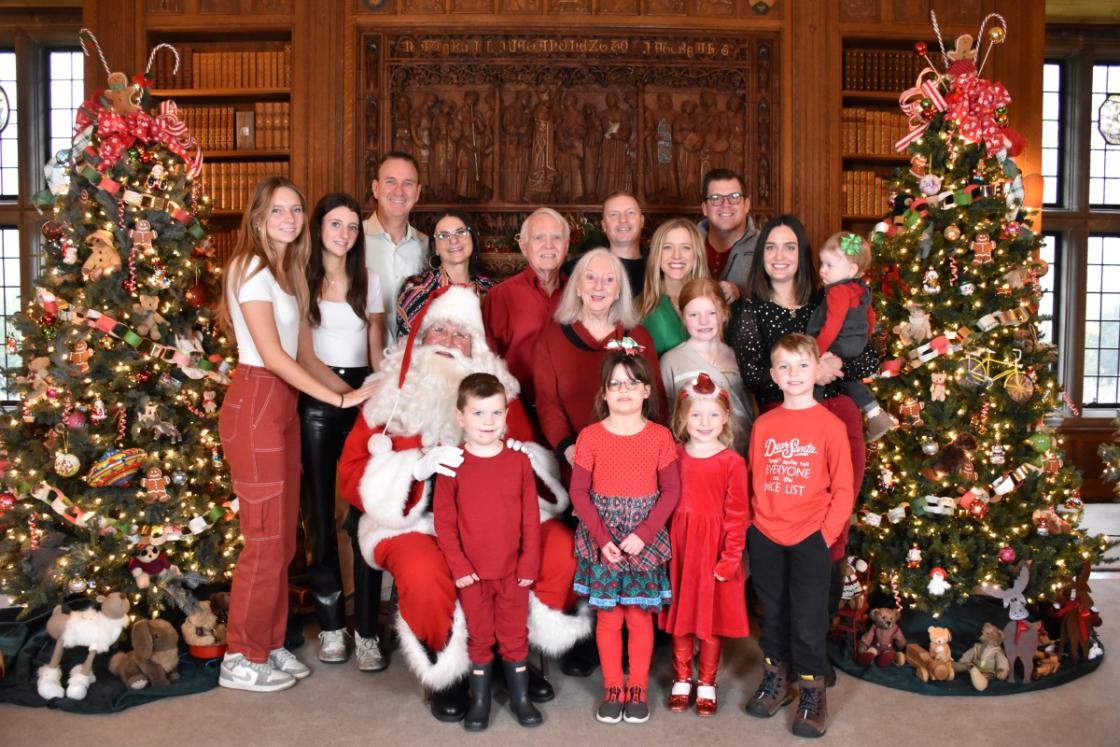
379 472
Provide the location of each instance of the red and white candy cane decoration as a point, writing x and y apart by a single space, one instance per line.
910 102
952 270
122 422
894 590
1074 409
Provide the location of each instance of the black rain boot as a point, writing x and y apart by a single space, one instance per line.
517 680
450 704
478 710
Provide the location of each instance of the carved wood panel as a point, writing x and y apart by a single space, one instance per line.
502 122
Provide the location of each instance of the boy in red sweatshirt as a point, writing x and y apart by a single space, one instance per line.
801 479
488 527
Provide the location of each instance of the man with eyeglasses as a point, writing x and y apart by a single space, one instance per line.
394 249
728 231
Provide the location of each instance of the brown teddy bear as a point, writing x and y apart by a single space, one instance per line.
104 259
986 660
937 662
883 642
148 316
154 658
203 628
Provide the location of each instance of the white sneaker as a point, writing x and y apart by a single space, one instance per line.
332 646
370 658
238 673
286 661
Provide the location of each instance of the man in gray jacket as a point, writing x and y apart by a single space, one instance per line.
729 233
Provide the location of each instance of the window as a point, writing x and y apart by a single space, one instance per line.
9 143
1050 282
1052 132
1104 157
10 298
66 95
1102 322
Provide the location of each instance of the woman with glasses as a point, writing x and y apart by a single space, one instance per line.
455 261
728 231
676 255
341 342
596 311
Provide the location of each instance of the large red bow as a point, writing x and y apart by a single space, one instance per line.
972 105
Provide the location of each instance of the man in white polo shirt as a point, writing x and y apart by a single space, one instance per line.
394 249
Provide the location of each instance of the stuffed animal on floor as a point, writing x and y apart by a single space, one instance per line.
154 658
852 594
95 629
986 660
883 642
936 663
202 627
1046 661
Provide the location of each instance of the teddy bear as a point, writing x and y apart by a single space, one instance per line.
154 658
202 627
986 660
937 386
149 317
1046 661
104 258
209 401
150 561
852 594
915 330
936 663
883 642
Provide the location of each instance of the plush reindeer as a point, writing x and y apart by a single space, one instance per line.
1078 615
1020 635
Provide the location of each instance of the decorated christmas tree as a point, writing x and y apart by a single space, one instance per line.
972 483
1110 456
112 476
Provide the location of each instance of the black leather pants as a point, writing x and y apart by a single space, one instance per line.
323 431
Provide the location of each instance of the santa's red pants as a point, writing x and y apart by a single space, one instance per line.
426 592
496 609
608 638
259 429
683 646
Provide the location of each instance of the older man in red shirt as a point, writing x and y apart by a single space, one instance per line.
517 309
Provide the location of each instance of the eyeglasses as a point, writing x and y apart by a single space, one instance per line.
733 198
614 385
457 233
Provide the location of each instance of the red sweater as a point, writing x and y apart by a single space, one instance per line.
801 475
486 517
514 312
566 378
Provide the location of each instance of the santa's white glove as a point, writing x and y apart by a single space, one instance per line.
438 459
516 445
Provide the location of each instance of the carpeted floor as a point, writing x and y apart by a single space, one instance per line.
338 705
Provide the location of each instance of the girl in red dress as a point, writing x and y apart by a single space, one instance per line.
624 486
708 534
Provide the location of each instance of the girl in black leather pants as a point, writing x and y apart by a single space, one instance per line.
341 341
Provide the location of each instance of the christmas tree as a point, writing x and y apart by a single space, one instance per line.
1110 455
111 470
972 482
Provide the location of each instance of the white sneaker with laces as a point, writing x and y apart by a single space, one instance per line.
370 658
238 673
286 661
332 646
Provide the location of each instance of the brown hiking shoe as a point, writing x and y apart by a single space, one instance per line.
772 693
879 426
812 708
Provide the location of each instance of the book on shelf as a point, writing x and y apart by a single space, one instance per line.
880 70
870 132
865 193
199 68
230 184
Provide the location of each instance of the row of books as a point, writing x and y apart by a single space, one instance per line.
880 69
231 184
266 126
870 131
222 242
865 193
252 69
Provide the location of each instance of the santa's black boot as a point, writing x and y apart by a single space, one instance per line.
517 680
582 659
450 704
478 709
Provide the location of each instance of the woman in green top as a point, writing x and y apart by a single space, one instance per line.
676 255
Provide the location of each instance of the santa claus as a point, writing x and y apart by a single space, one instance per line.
407 433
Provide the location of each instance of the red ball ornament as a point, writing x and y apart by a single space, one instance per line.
76 419
47 320
143 377
197 296
145 157
1007 555
7 500
920 49
52 230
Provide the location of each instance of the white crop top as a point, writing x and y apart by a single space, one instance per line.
342 339
285 311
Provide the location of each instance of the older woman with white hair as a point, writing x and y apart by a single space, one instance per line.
596 311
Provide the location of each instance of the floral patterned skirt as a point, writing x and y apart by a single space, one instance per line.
639 580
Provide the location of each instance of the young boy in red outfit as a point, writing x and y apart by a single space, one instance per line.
801 478
488 527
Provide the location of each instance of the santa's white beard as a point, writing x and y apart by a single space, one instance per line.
426 402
